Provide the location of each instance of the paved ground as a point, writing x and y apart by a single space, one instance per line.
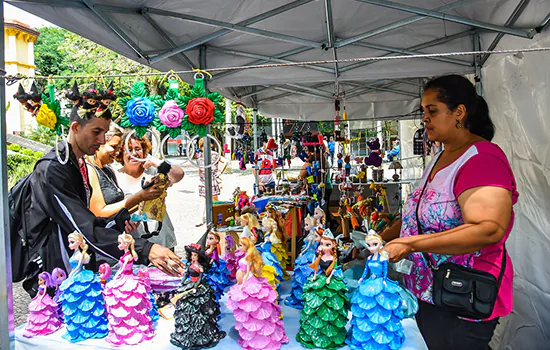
183 204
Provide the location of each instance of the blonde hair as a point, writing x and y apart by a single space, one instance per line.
315 264
312 221
379 238
252 221
78 237
280 224
126 238
252 256
274 228
323 218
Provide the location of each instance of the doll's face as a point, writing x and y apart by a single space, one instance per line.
326 245
317 214
211 239
122 245
41 281
60 276
373 245
243 221
106 102
317 237
293 152
242 248
194 257
73 244
91 101
307 225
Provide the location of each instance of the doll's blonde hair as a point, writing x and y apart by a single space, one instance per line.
78 237
312 221
252 221
126 238
379 239
323 218
252 256
274 229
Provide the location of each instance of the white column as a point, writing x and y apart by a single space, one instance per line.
228 140
30 53
14 112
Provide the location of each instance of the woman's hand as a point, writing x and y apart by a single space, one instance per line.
166 260
398 249
150 193
130 226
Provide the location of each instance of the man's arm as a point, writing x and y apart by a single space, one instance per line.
55 180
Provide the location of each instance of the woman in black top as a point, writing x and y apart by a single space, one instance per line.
107 197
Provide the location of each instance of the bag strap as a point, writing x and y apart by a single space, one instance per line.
427 256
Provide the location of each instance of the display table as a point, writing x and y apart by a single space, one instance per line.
413 339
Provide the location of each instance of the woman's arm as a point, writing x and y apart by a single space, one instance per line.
103 210
486 212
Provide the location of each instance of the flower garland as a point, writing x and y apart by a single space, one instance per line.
140 112
200 109
49 114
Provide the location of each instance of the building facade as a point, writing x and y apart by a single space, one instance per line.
19 41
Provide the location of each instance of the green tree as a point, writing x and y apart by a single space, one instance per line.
48 53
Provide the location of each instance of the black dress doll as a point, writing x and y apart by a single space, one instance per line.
196 307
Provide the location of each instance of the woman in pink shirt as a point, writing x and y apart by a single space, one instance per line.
464 204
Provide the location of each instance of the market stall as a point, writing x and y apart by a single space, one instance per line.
309 91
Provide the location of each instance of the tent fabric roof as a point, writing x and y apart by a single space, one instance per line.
244 32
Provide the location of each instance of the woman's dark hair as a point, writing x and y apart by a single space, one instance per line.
454 90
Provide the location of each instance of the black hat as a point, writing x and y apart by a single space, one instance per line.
21 94
196 248
73 94
91 93
35 95
109 94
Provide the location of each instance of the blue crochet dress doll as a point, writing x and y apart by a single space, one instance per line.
376 305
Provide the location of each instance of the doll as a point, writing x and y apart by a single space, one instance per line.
229 255
254 304
325 314
347 167
155 209
301 265
74 95
250 226
218 274
58 276
274 273
81 296
43 317
127 300
197 311
104 271
143 273
340 162
376 305
278 240
320 217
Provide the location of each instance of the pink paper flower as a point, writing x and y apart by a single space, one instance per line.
171 115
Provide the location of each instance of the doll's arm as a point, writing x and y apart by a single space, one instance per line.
365 272
385 269
247 274
331 273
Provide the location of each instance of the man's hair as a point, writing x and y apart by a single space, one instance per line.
89 115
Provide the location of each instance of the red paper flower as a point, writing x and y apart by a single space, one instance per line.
200 111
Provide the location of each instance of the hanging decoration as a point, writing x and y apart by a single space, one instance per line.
200 108
170 114
140 112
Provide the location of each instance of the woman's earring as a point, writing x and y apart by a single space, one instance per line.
458 124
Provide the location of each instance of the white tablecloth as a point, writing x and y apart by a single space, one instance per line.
164 327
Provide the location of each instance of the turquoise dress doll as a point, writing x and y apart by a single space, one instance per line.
376 305
302 270
82 300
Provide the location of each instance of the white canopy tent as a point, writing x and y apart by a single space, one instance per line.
236 33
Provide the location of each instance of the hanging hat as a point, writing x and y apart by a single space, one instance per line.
109 94
21 94
271 144
91 93
35 96
73 94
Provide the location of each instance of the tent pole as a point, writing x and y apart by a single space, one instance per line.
256 168
6 292
207 151
477 64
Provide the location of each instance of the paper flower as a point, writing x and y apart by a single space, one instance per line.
46 117
200 111
140 111
171 115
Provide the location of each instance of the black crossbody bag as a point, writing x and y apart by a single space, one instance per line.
463 291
